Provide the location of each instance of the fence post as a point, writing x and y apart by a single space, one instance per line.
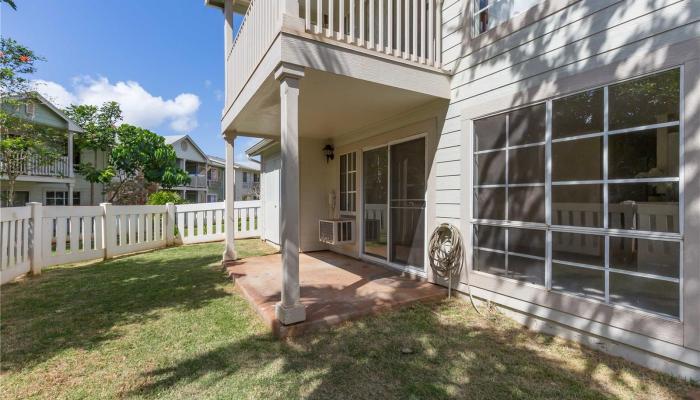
109 231
170 224
35 238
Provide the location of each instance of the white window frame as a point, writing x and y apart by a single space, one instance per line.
476 11
54 198
605 231
348 193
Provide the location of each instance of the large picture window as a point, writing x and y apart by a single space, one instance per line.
580 194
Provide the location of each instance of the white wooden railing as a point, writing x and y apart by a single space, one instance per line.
260 26
409 29
36 236
197 181
36 166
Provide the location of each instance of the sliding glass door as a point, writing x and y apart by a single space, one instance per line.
394 202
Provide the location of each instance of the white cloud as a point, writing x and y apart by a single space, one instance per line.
55 93
139 107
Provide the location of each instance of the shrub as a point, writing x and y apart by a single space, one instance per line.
162 197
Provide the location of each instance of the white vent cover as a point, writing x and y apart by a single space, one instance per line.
335 231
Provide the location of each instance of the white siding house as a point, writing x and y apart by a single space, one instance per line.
56 183
562 138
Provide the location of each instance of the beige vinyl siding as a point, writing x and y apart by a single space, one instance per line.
571 37
554 48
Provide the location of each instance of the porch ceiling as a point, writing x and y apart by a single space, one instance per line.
330 105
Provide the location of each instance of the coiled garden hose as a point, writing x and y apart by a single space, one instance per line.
446 255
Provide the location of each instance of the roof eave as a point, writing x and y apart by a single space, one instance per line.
259 147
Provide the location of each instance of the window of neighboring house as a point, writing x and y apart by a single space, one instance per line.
605 227
256 177
76 198
21 198
76 154
348 172
55 198
214 174
489 13
245 177
211 198
30 109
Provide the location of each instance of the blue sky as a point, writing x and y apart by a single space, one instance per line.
162 59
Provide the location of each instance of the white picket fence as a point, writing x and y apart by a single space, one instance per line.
36 236
204 222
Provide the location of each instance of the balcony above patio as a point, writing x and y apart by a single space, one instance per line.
365 61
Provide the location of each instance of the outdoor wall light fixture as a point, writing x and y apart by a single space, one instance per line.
328 151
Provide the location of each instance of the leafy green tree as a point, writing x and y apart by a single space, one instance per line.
140 152
23 144
99 135
162 197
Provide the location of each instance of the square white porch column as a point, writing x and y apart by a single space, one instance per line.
289 310
230 222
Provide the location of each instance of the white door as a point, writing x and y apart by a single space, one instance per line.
271 198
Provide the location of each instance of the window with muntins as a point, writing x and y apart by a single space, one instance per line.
348 188
489 13
580 194
54 198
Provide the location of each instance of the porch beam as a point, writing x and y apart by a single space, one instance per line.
229 197
289 310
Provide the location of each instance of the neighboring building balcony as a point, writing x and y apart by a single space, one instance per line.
36 167
197 181
382 55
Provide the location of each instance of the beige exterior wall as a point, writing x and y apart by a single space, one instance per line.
556 48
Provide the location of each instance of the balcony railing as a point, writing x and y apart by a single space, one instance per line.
406 29
197 181
402 28
38 166
258 30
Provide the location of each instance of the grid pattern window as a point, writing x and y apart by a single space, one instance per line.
489 13
55 198
256 178
245 177
580 194
348 188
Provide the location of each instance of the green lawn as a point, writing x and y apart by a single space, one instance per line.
168 324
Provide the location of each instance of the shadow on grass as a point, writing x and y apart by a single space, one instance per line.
78 307
448 358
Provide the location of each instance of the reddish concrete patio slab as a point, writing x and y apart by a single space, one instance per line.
334 288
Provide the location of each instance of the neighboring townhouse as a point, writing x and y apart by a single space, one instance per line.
55 183
194 161
247 179
562 138
207 173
